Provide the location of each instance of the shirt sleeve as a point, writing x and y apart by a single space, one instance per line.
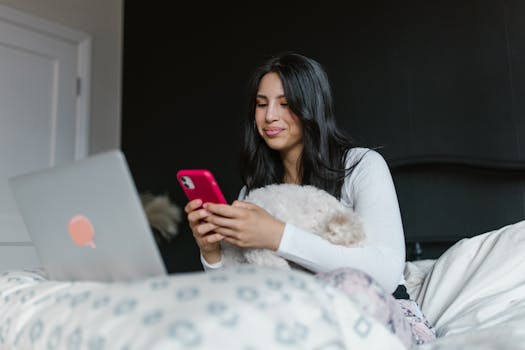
370 191
211 267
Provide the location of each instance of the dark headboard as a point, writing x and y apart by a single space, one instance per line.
444 199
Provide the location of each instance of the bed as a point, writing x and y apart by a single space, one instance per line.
473 292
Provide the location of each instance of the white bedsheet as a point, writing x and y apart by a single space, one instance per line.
242 308
474 293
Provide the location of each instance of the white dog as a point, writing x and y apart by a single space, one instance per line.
306 207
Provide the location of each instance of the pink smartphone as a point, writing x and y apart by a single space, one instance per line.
200 184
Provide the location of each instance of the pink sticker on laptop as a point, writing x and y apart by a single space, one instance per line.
81 231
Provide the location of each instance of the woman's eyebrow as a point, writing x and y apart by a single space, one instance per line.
263 96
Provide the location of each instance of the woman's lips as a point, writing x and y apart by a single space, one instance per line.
273 131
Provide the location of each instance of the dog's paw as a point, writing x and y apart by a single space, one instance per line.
265 257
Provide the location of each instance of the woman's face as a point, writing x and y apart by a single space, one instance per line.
278 126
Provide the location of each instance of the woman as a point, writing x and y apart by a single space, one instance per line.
291 137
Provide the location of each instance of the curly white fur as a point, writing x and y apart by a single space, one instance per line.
306 207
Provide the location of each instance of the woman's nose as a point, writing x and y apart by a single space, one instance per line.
272 113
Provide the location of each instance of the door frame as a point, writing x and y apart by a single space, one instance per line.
82 41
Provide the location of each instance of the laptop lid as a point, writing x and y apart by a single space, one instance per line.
87 222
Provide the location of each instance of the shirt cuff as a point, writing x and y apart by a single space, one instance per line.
209 267
286 239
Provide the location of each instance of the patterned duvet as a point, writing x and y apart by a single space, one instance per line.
242 308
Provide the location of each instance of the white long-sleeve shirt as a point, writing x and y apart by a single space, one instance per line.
370 192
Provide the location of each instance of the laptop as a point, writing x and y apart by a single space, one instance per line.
87 222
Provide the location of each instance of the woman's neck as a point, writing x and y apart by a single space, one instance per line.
291 179
291 168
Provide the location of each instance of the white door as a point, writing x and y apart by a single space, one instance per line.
43 116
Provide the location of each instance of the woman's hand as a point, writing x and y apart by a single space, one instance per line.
203 232
245 225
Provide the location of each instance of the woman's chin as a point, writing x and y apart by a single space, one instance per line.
276 146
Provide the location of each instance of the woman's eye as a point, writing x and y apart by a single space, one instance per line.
284 104
262 104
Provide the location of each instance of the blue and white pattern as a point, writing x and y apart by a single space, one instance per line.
241 308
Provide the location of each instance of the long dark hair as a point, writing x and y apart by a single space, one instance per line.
308 94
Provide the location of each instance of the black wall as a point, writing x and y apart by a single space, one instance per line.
418 78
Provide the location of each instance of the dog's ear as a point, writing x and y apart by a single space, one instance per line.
336 225
344 228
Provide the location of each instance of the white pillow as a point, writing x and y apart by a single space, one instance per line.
415 273
477 283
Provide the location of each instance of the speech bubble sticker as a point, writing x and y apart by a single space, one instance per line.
81 231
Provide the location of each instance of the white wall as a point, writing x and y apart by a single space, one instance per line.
103 21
